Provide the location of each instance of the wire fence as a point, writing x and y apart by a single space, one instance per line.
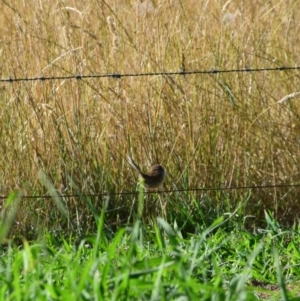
120 75
182 73
203 189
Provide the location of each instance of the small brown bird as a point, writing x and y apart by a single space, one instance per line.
152 179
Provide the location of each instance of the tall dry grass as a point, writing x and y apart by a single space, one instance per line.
224 129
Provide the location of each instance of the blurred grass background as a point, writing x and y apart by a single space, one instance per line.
207 130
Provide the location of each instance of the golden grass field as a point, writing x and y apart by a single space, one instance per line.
208 130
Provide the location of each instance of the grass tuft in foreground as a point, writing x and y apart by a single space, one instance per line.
157 263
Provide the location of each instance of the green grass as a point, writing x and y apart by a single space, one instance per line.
156 263
220 261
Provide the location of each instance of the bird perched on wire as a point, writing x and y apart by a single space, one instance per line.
153 178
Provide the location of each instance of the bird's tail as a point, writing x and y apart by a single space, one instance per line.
134 165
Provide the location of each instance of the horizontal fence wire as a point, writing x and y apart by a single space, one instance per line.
107 194
120 75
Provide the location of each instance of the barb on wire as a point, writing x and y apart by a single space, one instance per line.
119 75
107 194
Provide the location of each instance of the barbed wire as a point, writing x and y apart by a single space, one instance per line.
108 194
120 75
182 73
